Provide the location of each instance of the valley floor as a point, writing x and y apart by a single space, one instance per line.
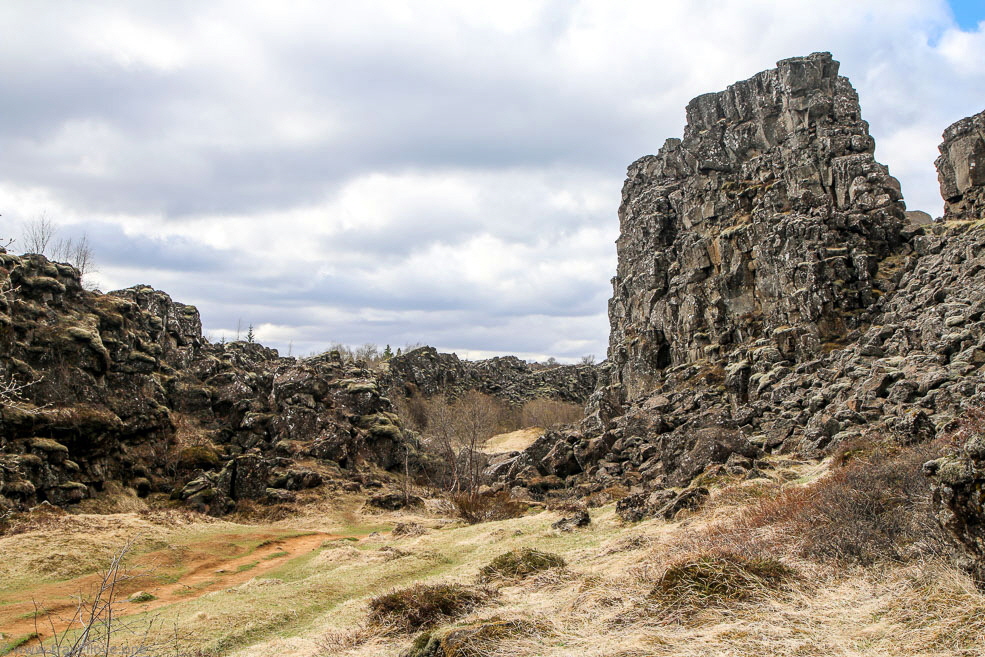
300 586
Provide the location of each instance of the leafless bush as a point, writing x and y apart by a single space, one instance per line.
41 237
97 626
874 509
549 413
12 394
474 508
76 252
38 234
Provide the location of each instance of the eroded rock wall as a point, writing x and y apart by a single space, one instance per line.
427 372
792 312
961 168
122 386
767 220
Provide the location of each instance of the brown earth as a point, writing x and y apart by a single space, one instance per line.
218 563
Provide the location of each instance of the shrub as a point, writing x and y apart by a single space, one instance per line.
875 508
549 413
424 605
474 508
717 578
517 564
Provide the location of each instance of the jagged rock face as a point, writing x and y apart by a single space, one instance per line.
425 371
961 169
119 381
767 220
959 499
911 364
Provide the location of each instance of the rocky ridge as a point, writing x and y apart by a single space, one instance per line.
427 372
122 386
770 298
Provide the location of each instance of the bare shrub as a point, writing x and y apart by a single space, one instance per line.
76 252
454 430
474 508
874 509
424 605
41 236
38 235
549 413
97 625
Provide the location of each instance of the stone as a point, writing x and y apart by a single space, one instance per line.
424 371
573 521
961 169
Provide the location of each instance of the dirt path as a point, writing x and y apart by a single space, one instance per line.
200 571
514 441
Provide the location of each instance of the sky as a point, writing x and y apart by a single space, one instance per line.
405 172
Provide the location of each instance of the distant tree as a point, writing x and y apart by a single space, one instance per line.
387 353
41 236
249 334
588 359
77 253
552 361
38 234
398 351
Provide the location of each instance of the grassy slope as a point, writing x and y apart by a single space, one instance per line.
315 603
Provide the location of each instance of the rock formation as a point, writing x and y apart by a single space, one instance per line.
425 371
770 297
961 169
959 479
768 220
122 386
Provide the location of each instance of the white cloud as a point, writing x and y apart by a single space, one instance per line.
396 171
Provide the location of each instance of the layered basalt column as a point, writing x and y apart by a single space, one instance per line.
961 168
767 220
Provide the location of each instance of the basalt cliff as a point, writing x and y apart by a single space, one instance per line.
774 296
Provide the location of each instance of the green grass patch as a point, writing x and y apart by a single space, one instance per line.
10 646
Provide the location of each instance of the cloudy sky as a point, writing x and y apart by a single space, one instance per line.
414 171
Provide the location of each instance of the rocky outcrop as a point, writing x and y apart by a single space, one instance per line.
427 372
766 221
959 498
959 479
122 386
961 169
769 298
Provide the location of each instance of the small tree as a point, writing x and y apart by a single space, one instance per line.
387 353
38 235
41 237
249 334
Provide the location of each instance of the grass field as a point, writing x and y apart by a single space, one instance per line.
300 586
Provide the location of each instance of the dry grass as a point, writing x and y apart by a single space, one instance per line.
603 604
517 564
513 441
424 605
716 579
